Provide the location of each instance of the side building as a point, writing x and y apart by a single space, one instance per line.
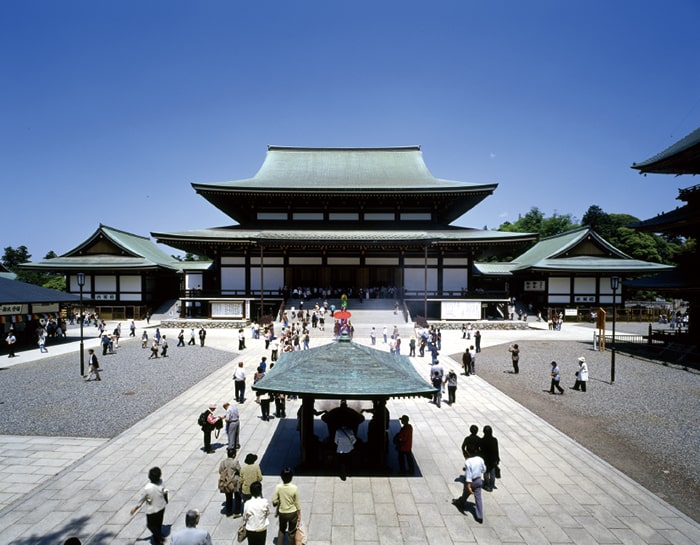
125 275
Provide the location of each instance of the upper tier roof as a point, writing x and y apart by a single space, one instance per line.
333 175
683 157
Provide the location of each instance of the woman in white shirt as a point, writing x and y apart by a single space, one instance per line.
255 513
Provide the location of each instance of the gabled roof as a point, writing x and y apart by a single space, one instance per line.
108 248
578 250
15 292
344 370
683 157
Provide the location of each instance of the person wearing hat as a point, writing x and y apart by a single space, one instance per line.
208 426
250 473
404 444
191 535
581 375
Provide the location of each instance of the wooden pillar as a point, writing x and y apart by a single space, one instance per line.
306 427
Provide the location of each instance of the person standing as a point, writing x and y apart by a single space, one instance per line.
436 381
11 340
132 329
489 453
202 336
345 443
274 350
515 357
286 499
42 340
241 340
155 497
255 516
233 426
474 468
472 361
404 445
93 366
144 339
250 473
477 340
581 375
373 336
191 535
239 382
384 334
230 483
207 421
466 360
451 387
555 379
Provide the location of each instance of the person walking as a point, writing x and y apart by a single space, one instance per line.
404 445
239 382
93 366
180 339
472 360
581 375
555 379
515 357
345 443
250 473
191 535
451 387
489 453
230 484
192 341
477 340
155 497
11 340
154 350
241 340
286 499
472 442
164 347
255 516
202 336
474 469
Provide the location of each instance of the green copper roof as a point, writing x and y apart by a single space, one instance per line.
344 370
580 250
344 170
108 248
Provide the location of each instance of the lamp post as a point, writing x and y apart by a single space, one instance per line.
81 283
614 284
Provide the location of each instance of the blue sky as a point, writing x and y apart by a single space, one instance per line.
109 110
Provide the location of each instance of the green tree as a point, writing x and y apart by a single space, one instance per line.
535 221
13 257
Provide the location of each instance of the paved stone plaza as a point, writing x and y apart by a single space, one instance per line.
553 490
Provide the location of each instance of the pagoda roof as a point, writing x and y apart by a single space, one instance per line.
577 250
683 157
344 370
110 249
342 173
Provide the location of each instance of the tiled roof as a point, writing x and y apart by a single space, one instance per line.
344 370
12 291
343 170
136 252
683 157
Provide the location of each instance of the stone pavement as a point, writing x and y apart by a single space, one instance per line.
552 490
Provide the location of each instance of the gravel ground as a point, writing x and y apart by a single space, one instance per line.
645 424
47 397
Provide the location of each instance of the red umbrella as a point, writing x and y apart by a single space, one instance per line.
342 315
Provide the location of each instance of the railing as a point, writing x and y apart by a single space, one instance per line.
457 294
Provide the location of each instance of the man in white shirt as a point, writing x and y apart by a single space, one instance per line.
239 382
474 468
345 440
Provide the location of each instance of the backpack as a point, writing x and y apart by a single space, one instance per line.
202 420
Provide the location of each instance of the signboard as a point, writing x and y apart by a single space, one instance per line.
39 308
17 308
570 312
227 309
105 297
533 285
460 310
